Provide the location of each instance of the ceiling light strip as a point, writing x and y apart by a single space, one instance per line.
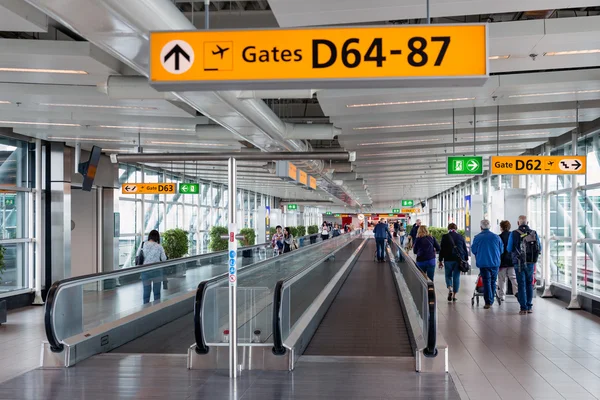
145 128
554 93
401 126
398 103
571 52
86 139
45 71
98 106
39 123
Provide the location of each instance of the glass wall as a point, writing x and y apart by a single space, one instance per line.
562 210
16 211
194 213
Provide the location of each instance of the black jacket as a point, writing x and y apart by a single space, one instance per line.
413 232
447 252
506 257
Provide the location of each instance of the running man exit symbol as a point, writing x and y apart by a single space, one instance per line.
177 57
218 56
458 165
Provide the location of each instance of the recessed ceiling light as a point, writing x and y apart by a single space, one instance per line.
98 106
86 139
45 71
397 103
498 57
571 52
528 119
556 93
4 102
145 128
399 142
401 126
37 123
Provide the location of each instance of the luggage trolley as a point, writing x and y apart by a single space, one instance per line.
478 292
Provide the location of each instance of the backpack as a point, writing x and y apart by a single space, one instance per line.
506 258
529 248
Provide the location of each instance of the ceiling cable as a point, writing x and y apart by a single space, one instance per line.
474 130
497 130
453 135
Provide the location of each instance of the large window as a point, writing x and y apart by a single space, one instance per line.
16 210
194 213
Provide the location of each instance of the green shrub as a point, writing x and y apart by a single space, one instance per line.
293 230
249 237
312 229
175 242
2 263
301 231
216 243
272 231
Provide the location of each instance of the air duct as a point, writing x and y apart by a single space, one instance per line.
132 88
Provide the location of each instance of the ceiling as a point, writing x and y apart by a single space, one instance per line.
401 136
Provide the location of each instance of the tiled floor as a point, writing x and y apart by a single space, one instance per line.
553 353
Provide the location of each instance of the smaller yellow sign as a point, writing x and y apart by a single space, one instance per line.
148 188
411 210
538 165
302 177
312 182
292 171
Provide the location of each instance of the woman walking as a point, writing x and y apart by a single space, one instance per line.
425 247
151 252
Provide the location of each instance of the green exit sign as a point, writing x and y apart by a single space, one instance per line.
337 215
292 206
189 188
407 203
328 213
396 210
472 165
9 202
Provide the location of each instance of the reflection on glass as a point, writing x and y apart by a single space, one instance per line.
14 276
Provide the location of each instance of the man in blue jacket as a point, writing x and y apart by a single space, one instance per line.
525 247
414 230
382 233
487 248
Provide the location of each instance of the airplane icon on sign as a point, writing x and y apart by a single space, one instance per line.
221 51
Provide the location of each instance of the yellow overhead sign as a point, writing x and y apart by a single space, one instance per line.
148 188
302 177
292 171
312 182
411 210
538 165
215 58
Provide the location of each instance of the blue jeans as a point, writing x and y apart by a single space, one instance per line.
489 276
380 248
525 282
427 267
452 275
148 289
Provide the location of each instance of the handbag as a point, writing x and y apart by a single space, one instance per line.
463 265
139 259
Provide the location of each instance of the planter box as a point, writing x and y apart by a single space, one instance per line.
3 312
247 253
313 239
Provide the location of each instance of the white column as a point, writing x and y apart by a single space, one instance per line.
574 304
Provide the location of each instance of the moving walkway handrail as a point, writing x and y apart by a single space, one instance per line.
201 346
58 286
430 305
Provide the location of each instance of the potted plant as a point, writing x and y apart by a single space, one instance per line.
313 230
249 240
3 309
216 243
176 244
301 234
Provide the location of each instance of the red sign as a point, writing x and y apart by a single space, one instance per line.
232 278
232 237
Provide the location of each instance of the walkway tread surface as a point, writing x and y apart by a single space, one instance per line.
365 318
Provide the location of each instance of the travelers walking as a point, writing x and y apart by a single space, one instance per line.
382 233
288 240
507 268
425 247
487 248
453 250
414 230
525 247
277 241
325 231
336 231
396 228
151 252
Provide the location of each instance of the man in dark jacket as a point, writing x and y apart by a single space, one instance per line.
487 249
453 250
524 258
414 230
382 233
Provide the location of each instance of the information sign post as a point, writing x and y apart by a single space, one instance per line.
231 178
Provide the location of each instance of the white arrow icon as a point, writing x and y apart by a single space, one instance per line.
472 165
184 188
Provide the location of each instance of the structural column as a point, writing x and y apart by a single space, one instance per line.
574 304
231 210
